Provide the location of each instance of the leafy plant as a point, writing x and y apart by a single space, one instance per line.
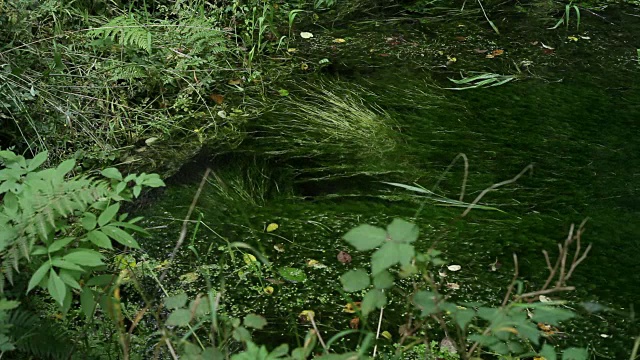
60 224
511 329
566 16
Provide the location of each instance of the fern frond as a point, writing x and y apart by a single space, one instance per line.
128 72
39 337
127 31
201 37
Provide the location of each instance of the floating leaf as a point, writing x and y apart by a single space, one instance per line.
217 98
354 323
316 264
454 267
344 257
272 227
292 274
306 315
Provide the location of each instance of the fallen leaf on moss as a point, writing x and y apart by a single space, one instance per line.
352 307
354 323
344 257
306 315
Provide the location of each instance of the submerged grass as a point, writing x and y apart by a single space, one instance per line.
331 128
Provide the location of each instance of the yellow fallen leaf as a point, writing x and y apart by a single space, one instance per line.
572 38
292 50
339 40
272 227
268 290
307 315
386 335
249 259
351 307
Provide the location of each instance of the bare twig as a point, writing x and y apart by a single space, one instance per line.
513 281
495 186
185 222
375 347
315 328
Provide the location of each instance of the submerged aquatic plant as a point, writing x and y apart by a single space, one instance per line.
483 80
330 127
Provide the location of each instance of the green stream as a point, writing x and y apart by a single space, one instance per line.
574 115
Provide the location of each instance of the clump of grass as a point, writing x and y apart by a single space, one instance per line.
330 127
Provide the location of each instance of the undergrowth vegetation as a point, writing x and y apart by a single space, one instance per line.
101 100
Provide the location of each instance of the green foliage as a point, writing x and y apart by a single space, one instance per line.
127 31
509 330
57 225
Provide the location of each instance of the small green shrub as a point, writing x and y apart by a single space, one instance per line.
57 227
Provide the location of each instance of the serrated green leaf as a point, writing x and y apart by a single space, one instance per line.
37 276
425 301
69 279
8 304
88 221
57 288
365 237
37 160
383 280
575 354
153 181
101 280
241 334
389 254
179 317
63 264
120 236
403 231
85 257
108 214
355 280
112 173
175 301
65 167
374 299
99 239
548 352
463 317
255 321
59 244
551 315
